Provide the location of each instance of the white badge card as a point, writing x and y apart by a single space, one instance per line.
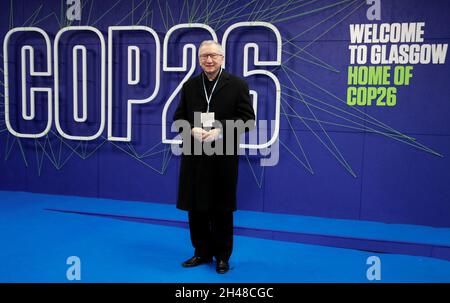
207 119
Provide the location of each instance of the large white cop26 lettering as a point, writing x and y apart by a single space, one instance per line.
132 78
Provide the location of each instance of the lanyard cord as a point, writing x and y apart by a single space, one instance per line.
208 99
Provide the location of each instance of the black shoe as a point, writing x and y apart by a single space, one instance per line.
222 266
195 261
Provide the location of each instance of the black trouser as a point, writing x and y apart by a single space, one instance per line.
212 234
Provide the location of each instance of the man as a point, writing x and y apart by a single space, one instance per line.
207 183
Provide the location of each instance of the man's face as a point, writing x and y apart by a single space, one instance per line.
210 58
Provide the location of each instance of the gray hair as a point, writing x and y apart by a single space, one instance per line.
209 42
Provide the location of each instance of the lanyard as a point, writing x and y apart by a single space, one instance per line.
208 99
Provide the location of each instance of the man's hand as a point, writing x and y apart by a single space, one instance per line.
212 135
198 133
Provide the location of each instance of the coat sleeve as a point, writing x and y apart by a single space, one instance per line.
181 113
243 111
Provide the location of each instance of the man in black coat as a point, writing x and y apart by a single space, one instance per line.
211 102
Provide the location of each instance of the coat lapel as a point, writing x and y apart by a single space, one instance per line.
223 81
200 86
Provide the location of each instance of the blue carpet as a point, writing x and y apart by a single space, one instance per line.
37 241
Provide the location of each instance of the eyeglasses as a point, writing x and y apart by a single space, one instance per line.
213 56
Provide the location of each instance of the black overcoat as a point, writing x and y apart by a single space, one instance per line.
209 182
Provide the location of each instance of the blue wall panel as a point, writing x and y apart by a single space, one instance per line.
387 164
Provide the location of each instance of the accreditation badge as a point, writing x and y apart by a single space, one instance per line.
207 119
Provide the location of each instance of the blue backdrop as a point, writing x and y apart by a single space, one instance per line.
380 163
